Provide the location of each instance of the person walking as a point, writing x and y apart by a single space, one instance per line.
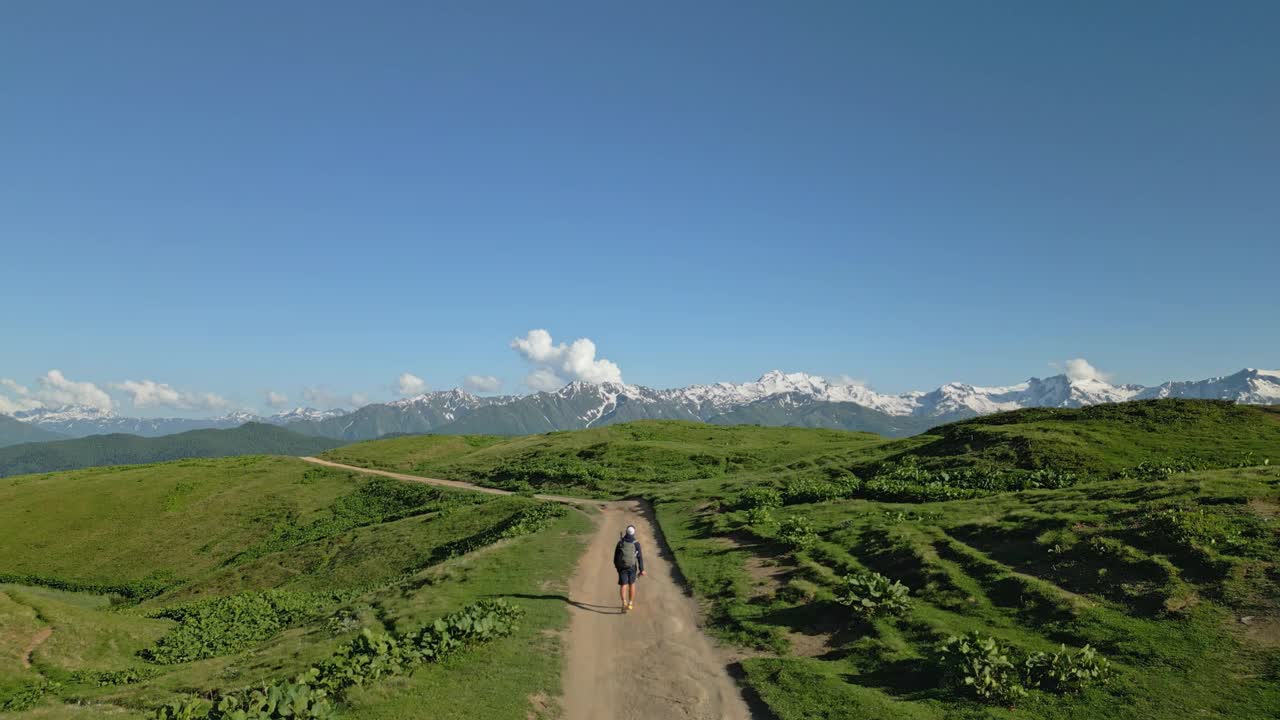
629 562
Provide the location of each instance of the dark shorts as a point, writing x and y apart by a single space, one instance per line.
626 576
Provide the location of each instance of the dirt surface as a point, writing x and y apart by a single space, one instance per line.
650 664
36 641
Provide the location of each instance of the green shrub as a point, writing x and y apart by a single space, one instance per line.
759 497
760 517
26 695
981 666
797 533
218 626
798 491
369 657
1188 527
872 594
1066 671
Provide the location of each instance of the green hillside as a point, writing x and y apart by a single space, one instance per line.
1146 532
13 432
211 575
1104 438
119 449
615 460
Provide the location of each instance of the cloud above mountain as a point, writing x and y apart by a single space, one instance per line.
408 385
152 394
556 365
20 398
1080 369
482 384
277 400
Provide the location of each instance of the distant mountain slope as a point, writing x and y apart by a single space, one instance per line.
82 421
14 431
791 410
776 398
249 439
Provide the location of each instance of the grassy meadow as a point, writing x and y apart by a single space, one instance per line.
1145 531
168 582
1118 561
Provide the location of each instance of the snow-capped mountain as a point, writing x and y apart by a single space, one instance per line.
82 421
301 414
776 398
1252 386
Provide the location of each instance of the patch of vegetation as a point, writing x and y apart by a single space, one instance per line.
219 626
871 595
368 658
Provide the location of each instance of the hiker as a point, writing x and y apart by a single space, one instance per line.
629 562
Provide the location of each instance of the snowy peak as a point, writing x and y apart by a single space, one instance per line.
304 414
1253 386
65 413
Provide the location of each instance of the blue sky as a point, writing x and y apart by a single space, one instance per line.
236 198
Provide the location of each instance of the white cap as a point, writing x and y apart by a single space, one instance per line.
631 529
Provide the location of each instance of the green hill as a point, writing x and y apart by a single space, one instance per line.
119 449
1104 438
206 575
13 432
619 460
615 460
1043 532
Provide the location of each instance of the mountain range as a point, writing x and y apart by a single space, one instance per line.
118 449
777 398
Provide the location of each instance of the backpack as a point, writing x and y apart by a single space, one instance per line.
624 556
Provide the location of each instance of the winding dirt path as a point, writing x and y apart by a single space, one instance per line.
36 641
651 664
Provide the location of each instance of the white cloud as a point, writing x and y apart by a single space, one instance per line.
149 393
58 389
358 400
22 399
482 383
277 400
409 384
556 365
847 380
1080 369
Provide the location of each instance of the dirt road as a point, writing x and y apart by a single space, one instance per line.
651 664
443 483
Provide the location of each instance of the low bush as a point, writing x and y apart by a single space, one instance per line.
1066 671
759 497
981 666
314 694
999 673
1187 527
218 626
872 595
797 533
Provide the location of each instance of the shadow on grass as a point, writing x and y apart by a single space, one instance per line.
602 609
